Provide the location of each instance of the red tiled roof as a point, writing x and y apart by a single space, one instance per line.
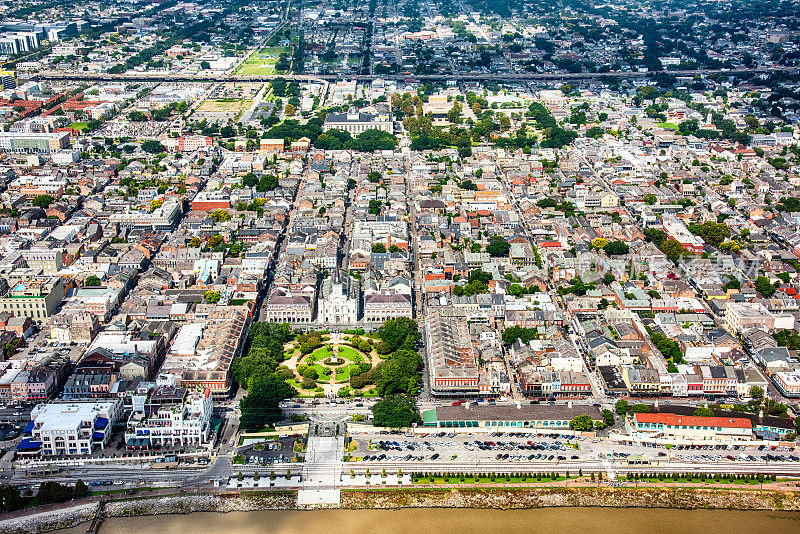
692 420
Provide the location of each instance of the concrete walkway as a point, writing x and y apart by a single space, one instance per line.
322 471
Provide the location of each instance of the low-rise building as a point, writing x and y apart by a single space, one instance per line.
540 418
33 143
73 428
356 123
170 417
690 428
36 298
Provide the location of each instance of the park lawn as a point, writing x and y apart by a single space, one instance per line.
342 373
262 61
345 371
318 355
248 69
81 126
293 382
668 125
320 372
351 354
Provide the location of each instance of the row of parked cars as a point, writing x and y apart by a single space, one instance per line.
511 445
534 457
407 458
385 445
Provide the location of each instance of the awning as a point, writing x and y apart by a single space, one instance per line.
101 422
135 442
98 436
28 445
28 427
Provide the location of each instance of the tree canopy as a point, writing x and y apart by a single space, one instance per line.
42 201
153 147
498 247
261 405
396 411
394 332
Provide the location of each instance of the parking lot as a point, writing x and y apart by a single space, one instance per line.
40 345
449 447
446 447
268 452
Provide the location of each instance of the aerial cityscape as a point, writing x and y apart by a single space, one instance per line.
277 254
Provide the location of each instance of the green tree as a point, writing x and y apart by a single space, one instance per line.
764 287
396 332
212 297
516 290
220 215
399 373
673 249
378 248
616 248
383 348
582 423
10 498
668 348
266 342
137 116
622 407
712 232
396 411
261 405
153 147
498 247
42 201
513 333
53 492
205 65
608 417
80 489
92 281
703 412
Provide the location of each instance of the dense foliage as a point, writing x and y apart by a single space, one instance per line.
396 411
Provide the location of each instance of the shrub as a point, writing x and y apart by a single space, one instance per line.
308 383
383 348
310 373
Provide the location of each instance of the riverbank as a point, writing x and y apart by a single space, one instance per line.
376 499
592 497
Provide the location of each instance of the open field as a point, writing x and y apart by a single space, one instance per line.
225 105
262 61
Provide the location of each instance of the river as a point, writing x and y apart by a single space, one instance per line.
460 521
